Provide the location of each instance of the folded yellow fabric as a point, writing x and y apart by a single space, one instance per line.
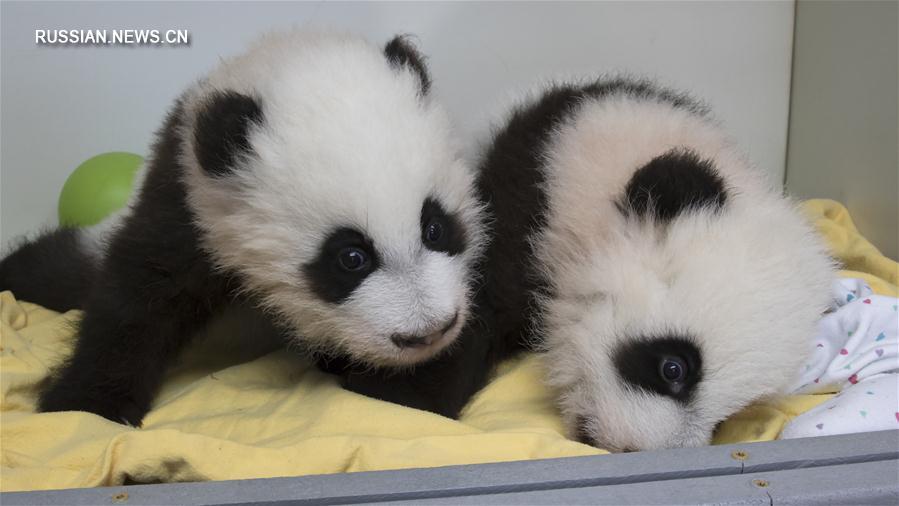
221 416
860 258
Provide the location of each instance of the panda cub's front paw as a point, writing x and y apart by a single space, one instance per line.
120 409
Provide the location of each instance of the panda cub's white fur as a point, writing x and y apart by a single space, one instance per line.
740 278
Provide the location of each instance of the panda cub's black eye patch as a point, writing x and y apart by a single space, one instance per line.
669 366
441 231
344 260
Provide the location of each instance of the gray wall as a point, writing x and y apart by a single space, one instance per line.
843 119
62 105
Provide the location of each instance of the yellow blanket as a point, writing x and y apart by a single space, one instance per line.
219 419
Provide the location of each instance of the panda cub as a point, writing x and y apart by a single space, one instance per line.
668 284
312 177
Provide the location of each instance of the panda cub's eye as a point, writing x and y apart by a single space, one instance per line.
441 231
353 259
433 232
673 369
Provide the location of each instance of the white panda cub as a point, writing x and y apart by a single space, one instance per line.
313 177
676 286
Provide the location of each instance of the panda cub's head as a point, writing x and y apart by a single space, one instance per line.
321 173
681 287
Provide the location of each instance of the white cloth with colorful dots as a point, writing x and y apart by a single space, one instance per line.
857 354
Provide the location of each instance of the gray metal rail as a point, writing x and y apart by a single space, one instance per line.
850 469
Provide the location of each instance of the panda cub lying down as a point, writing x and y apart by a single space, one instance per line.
312 178
667 283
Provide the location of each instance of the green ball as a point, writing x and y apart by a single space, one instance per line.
97 188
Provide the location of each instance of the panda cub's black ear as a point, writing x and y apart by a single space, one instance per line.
671 184
400 52
221 133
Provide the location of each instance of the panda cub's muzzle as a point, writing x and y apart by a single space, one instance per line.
426 339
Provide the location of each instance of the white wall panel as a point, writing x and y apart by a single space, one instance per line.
61 105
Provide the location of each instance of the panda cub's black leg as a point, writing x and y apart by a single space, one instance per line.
125 342
136 321
146 305
154 290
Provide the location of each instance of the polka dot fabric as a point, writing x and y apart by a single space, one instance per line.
856 353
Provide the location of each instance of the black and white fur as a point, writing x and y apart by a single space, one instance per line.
312 177
668 284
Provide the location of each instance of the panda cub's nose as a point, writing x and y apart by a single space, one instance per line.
419 341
